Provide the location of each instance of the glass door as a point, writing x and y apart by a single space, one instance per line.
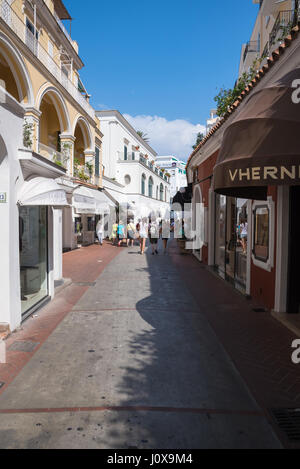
231 239
33 247
241 243
220 242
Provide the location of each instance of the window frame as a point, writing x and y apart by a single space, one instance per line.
265 264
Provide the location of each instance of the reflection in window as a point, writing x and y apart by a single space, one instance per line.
33 255
261 233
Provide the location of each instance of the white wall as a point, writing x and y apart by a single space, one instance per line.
11 117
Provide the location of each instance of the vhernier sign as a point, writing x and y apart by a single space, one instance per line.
266 173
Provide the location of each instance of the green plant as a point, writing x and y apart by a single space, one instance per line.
76 165
27 135
81 174
227 97
285 31
143 136
200 137
90 168
57 161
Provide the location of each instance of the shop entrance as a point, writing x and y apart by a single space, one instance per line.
231 242
33 248
294 252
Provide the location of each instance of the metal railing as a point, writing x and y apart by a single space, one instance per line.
283 25
17 25
145 162
251 47
63 28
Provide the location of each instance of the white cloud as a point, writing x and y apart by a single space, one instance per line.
168 137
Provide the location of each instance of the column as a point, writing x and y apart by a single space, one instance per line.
67 150
32 117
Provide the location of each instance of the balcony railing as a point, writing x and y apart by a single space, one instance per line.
145 162
17 25
63 28
251 47
282 26
53 155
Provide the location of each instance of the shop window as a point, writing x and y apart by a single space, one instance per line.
90 224
33 247
78 225
261 233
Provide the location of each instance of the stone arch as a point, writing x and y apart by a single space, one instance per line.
86 131
18 70
59 103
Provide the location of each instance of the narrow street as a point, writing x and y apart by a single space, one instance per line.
126 358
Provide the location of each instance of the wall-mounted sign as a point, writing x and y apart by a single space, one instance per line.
3 197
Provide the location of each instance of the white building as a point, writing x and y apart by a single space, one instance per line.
176 169
212 121
130 173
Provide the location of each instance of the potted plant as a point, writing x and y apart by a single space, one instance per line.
27 135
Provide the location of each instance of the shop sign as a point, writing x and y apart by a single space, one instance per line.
3 197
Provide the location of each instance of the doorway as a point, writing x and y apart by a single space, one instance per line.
293 306
231 243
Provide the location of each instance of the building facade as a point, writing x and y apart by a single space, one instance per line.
273 23
130 172
50 149
176 170
246 175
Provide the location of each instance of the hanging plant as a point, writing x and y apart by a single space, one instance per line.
27 135
90 168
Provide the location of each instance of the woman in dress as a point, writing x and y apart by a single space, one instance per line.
143 232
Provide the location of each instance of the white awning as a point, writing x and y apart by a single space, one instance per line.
103 203
42 191
84 201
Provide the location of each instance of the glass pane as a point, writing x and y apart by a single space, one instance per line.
242 241
220 233
261 234
230 237
33 255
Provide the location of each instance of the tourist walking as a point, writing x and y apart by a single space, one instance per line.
165 234
143 233
121 233
131 233
100 231
154 235
114 231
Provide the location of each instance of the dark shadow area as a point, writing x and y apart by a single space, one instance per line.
176 368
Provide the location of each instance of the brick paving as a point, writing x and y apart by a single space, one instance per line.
258 344
82 265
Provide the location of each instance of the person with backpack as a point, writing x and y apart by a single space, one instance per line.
131 233
121 233
153 235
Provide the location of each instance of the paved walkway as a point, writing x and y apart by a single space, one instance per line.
134 363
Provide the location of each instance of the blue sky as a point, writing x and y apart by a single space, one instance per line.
163 59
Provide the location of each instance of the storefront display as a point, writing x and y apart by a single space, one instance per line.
33 255
231 241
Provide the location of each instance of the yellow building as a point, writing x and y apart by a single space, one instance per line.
273 23
50 154
39 67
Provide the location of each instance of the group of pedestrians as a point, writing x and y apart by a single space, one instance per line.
127 234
